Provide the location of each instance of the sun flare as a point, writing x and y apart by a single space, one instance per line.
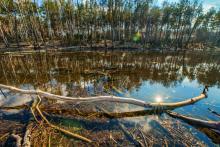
158 98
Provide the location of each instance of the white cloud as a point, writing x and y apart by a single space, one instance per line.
207 4
206 7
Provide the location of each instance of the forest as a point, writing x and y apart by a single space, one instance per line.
108 23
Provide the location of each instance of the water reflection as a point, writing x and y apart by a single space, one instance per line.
167 69
153 77
158 98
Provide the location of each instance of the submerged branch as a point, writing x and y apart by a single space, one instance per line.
214 112
112 115
108 98
209 124
14 107
128 135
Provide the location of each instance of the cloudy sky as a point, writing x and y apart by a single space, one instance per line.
207 4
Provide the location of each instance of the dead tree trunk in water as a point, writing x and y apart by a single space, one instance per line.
209 124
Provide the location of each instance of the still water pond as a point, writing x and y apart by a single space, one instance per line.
151 77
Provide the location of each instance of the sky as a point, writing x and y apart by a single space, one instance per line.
207 4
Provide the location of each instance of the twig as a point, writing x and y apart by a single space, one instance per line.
3 136
143 136
111 137
3 93
35 116
15 107
49 140
214 112
58 128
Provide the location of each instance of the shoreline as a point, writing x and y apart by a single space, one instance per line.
105 49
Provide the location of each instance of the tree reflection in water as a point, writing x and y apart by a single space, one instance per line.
92 73
127 70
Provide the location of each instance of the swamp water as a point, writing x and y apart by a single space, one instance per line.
151 77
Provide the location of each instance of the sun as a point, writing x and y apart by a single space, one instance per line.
158 98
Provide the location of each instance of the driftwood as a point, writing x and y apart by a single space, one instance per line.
203 123
107 98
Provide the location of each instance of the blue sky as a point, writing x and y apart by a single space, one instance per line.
207 4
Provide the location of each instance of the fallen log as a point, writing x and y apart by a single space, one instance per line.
107 98
215 125
64 98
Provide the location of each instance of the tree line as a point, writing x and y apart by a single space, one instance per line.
108 22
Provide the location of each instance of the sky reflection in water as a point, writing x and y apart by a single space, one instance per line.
146 76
